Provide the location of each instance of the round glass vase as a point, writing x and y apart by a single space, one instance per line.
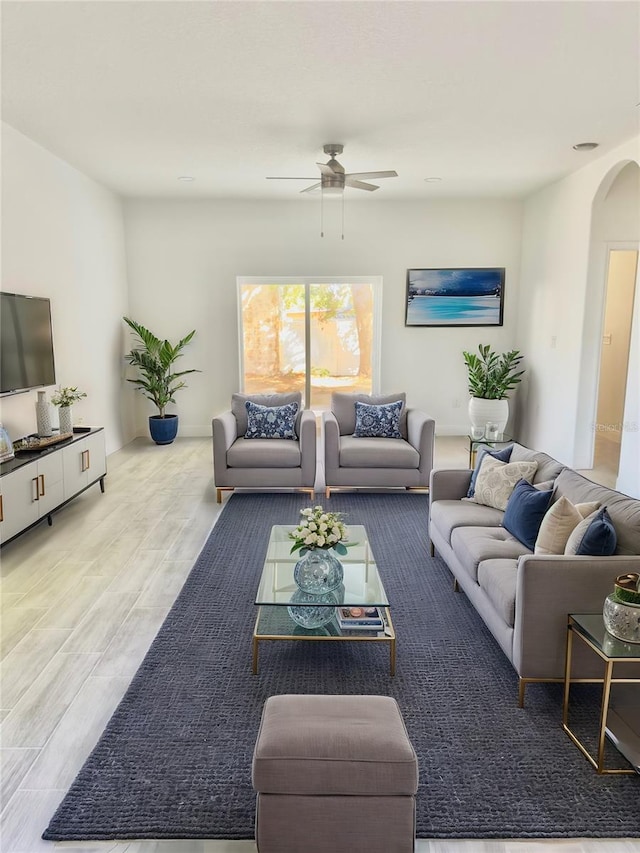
318 571
66 422
622 619
312 611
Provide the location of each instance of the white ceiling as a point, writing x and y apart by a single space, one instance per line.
489 96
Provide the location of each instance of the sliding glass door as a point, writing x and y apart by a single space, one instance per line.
314 335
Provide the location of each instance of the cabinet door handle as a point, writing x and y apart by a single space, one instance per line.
86 461
1 509
41 492
35 495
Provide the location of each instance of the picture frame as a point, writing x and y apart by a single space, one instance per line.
6 446
455 296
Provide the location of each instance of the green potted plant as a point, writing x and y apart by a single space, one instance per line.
64 398
155 358
491 377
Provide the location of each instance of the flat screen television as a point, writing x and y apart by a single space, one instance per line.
26 343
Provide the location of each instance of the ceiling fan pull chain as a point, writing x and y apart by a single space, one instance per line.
321 213
343 214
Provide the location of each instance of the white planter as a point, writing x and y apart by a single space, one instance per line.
482 412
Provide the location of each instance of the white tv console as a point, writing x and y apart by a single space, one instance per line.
38 482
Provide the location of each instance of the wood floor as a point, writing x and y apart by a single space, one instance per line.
81 603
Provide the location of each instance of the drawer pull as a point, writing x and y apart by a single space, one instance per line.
1 509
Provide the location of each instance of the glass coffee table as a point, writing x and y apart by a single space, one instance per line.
361 587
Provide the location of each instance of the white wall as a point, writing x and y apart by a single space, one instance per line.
63 237
183 259
554 296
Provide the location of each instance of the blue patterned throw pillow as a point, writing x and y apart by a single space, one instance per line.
271 421
378 421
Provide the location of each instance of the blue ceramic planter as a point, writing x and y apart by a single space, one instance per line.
163 430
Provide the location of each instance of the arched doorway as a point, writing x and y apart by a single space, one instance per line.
608 376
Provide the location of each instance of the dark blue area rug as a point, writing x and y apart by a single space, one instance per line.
175 759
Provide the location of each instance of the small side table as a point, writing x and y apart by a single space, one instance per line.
475 443
589 628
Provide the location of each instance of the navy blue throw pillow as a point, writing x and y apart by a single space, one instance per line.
524 513
600 539
503 455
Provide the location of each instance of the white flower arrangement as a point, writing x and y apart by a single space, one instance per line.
67 396
319 529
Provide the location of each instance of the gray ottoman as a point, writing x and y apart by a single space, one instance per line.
334 774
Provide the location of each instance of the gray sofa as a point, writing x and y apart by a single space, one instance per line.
524 598
386 462
266 463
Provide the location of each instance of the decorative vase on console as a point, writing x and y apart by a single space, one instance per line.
64 398
66 421
43 416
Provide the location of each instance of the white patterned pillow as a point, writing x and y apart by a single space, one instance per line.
559 521
496 480
271 421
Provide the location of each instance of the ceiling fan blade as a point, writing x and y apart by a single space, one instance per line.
280 178
312 187
360 185
374 175
326 170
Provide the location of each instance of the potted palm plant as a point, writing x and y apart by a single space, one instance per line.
491 377
155 358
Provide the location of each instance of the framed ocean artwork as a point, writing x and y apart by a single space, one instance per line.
461 296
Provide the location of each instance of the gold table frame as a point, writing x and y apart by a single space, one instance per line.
574 628
386 636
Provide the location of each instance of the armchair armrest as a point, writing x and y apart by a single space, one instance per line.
449 484
331 441
225 432
421 430
308 438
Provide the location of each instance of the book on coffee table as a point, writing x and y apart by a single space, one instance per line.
360 618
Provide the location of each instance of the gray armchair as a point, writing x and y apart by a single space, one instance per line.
351 461
264 463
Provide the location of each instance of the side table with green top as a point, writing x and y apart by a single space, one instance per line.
589 628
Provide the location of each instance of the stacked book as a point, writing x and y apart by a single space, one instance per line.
359 618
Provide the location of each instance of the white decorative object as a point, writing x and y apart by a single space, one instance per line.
43 415
483 411
66 422
622 619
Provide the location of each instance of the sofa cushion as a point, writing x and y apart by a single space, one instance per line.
475 544
271 421
559 521
623 510
377 453
446 516
264 453
239 410
497 480
501 455
378 421
524 513
498 578
595 536
548 468
343 407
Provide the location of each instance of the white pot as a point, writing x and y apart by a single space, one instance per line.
482 412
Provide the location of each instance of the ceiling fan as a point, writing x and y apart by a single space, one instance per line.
333 178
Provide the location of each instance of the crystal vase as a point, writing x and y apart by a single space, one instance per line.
66 422
318 571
